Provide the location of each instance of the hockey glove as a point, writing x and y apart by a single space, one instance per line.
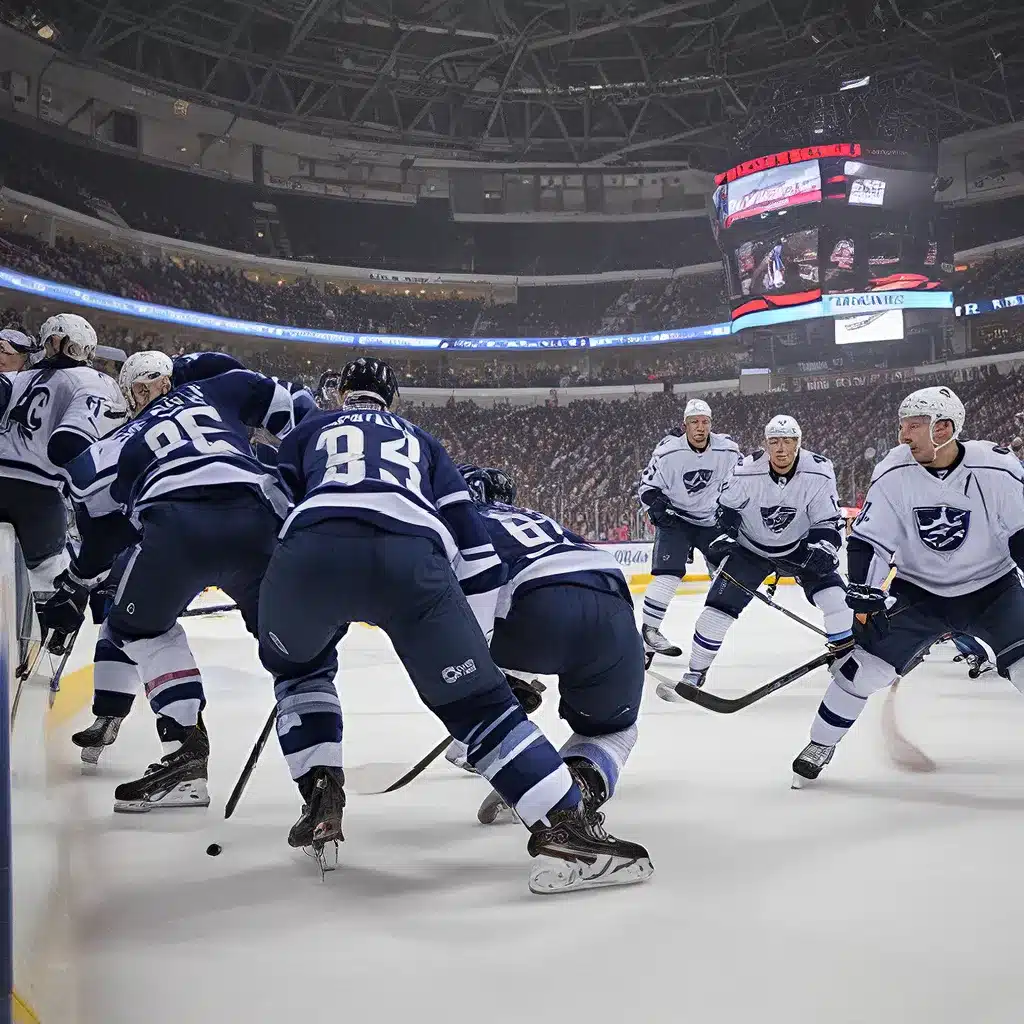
527 693
63 613
660 511
865 600
721 547
817 559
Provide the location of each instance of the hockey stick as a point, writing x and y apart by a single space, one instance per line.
213 609
771 604
250 764
900 750
725 706
373 779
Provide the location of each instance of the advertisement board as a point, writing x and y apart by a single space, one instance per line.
882 325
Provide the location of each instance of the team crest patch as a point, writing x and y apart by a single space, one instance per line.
697 481
778 517
942 527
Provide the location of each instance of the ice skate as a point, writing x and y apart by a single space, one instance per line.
668 692
655 641
100 734
807 767
977 666
494 810
323 794
178 779
575 852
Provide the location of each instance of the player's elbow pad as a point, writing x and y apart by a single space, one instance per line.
64 445
1017 548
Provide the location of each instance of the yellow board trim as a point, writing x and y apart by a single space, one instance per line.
21 1012
74 696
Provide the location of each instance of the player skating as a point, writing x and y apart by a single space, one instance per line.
381 516
777 514
208 513
565 610
679 490
53 412
949 514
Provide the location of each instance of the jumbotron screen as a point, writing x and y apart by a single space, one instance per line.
798 226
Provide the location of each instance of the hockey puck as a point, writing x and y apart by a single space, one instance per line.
213 850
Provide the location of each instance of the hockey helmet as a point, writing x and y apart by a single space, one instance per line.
367 377
487 486
696 407
937 403
73 336
143 367
22 344
328 393
783 426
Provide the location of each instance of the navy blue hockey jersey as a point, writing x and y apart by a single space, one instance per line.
537 550
377 467
198 436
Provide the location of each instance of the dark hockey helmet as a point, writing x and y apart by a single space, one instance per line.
368 377
487 486
328 391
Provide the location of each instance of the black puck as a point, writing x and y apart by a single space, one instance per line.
214 849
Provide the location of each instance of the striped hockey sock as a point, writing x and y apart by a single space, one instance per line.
657 598
708 635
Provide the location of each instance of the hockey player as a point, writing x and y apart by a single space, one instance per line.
565 610
54 412
778 513
949 514
208 513
16 350
679 490
381 515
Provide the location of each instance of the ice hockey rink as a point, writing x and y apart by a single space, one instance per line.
877 896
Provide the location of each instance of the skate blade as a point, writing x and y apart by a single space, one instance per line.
325 855
552 876
799 782
91 755
187 794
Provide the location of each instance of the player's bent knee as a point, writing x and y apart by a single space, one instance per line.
862 674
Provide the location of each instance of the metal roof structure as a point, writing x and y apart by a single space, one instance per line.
585 81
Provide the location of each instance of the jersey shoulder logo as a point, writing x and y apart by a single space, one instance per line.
942 528
27 414
777 517
697 480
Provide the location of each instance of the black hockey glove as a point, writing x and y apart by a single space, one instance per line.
816 559
865 600
63 613
660 511
721 547
527 693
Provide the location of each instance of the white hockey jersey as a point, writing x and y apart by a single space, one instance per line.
777 513
46 402
689 479
948 535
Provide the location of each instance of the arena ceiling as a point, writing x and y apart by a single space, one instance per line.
587 81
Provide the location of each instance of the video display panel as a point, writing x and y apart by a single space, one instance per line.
778 264
883 325
779 188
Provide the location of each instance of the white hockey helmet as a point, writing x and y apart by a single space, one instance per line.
696 407
19 342
937 403
73 334
783 426
144 367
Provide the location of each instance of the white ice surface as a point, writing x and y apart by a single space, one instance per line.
875 897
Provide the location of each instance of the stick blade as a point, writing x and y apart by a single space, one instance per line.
376 777
899 749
